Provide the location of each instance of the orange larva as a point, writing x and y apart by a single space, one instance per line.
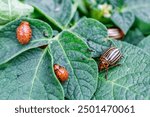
61 73
24 32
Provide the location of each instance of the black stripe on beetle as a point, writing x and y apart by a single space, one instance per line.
109 58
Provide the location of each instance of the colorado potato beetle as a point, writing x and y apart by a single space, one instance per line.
115 33
109 58
24 32
61 73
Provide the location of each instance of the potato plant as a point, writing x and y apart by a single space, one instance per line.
74 34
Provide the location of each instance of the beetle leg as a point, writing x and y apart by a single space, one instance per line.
114 65
106 72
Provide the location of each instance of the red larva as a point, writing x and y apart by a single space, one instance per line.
24 32
61 73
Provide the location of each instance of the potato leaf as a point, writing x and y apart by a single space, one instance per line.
58 12
93 33
123 20
71 52
134 36
9 45
34 67
130 80
140 8
30 76
117 3
134 8
12 9
144 44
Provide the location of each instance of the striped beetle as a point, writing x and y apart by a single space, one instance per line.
109 58
115 33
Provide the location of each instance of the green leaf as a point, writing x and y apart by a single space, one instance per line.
30 76
82 6
140 9
130 80
143 26
123 20
144 44
59 12
12 9
93 33
134 36
134 8
117 3
66 49
9 45
70 51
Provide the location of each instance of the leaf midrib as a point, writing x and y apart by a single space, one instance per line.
35 74
70 66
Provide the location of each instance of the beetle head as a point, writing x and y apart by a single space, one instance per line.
56 67
103 64
25 23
